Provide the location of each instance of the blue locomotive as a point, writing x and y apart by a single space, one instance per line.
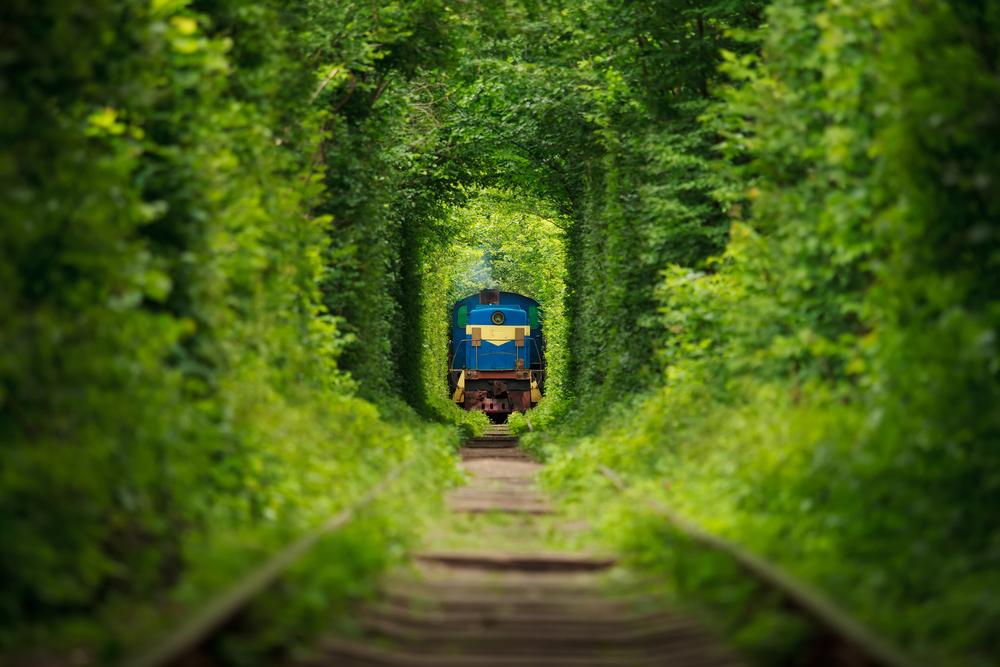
497 353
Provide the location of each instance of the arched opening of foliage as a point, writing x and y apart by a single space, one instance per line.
507 239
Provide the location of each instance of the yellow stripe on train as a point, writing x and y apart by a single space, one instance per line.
497 335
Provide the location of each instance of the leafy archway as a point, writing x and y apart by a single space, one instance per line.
506 240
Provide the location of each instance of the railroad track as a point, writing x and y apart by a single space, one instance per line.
492 601
502 605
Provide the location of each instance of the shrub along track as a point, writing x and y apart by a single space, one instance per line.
506 586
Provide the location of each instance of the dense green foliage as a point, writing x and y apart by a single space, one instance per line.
764 236
590 108
831 376
194 230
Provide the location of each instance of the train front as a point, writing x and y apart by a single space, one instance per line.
496 364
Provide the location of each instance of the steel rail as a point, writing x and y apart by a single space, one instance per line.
191 633
863 647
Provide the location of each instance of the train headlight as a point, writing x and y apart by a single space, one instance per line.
497 317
